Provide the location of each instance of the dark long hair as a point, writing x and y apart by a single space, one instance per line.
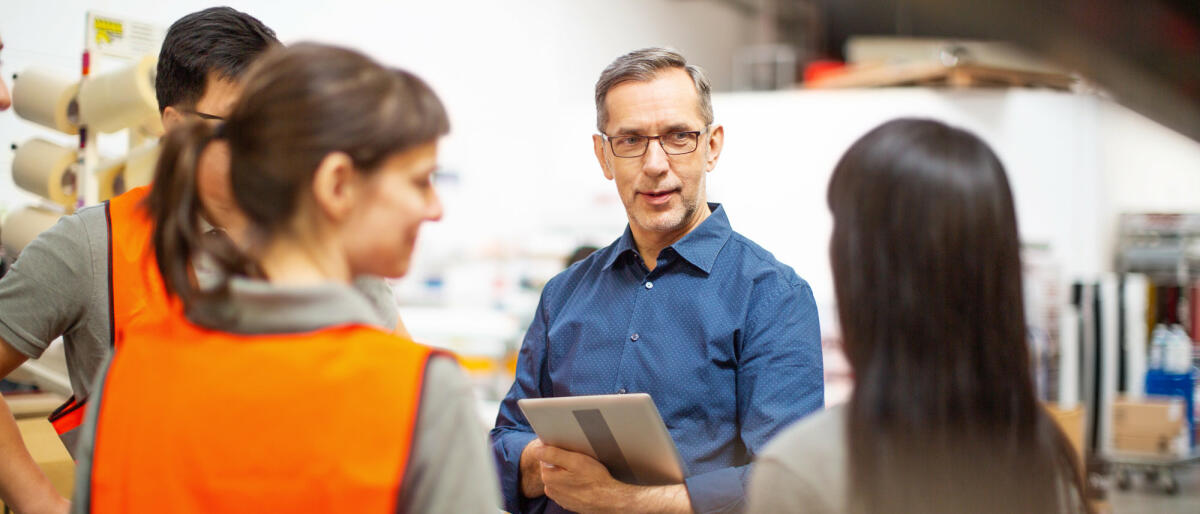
300 104
927 271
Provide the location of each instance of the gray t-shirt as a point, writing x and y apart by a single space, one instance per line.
804 469
449 468
59 287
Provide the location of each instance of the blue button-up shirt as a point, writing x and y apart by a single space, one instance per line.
722 336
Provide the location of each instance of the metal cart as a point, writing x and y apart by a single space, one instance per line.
1125 466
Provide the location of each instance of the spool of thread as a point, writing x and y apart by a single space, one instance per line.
133 170
48 99
110 178
119 99
152 128
23 225
140 164
47 170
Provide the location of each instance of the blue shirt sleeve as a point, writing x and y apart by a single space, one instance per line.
512 432
780 380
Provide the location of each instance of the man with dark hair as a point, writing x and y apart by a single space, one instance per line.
204 49
723 337
202 58
69 281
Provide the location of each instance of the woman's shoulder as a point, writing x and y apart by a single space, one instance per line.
819 435
803 468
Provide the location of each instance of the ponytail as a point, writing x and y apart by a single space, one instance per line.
174 204
298 104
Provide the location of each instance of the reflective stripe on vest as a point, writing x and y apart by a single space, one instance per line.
194 420
135 289
66 420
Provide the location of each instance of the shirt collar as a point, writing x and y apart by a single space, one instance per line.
259 307
699 247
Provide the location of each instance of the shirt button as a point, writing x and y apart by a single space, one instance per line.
649 285
621 391
634 337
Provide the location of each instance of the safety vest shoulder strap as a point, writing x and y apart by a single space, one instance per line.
135 286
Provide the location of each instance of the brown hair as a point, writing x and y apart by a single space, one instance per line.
300 104
927 272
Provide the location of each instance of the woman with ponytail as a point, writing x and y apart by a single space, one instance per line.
271 389
943 417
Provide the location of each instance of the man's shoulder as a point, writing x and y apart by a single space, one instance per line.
760 264
74 234
92 216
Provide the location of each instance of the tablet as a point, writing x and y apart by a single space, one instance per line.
622 431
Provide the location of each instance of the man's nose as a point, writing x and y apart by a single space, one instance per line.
655 162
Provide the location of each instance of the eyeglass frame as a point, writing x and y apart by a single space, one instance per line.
659 137
204 115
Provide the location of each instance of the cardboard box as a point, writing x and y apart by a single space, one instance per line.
1150 417
1071 422
1160 445
49 453
33 405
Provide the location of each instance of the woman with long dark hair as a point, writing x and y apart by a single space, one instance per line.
272 390
943 416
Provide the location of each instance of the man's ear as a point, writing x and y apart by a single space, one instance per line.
335 186
716 142
598 147
171 117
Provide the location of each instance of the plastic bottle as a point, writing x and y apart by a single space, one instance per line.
1158 344
1177 357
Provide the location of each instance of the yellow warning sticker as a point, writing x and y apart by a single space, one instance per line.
107 30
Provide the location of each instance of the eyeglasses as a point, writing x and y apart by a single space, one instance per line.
673 143
204 115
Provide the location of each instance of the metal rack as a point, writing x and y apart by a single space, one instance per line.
1165 247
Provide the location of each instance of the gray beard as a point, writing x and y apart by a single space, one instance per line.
657 223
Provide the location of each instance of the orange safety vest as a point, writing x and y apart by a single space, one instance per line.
135 288
198 420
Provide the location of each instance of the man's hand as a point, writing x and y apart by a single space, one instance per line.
582 484
531 470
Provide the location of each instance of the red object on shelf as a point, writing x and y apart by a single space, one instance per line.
1194 311
817 70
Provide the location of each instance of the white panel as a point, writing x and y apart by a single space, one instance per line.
1069 372
1135 334
1108 352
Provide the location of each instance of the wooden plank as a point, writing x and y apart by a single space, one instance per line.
938 74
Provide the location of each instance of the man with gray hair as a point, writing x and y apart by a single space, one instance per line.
722 336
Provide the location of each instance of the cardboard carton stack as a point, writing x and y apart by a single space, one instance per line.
1152 425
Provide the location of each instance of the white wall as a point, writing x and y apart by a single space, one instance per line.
1147 167
781 149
